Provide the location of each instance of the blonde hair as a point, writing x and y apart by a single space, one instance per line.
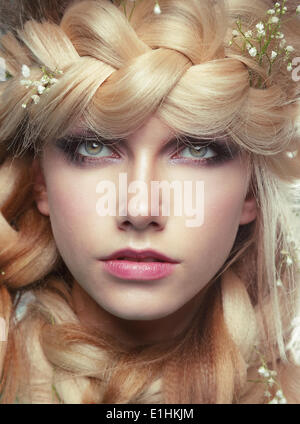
116 74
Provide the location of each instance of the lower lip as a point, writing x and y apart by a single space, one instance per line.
130 270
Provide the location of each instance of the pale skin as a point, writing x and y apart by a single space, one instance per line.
141 312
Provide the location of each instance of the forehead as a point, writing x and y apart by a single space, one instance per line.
153 130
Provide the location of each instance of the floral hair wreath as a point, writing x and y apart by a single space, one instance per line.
266 43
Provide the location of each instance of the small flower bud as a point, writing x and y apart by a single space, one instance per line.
253 52
25 71
273 55
35 98
41 89
157 9
289 49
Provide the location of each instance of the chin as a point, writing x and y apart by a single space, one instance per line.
138 314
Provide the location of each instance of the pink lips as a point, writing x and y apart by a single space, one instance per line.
118 265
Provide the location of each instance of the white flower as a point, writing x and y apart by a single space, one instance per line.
274 400
277 5
260 29
25 71
271 12
53 80
274 20
24 105
282 43
253 52
263 371
28 83
35 98
267 393
41 89
292 155
157 9
235 33
279 283
273 55
279 394
248 34
279 35
289 261
44 79
298 9
289 67
260 26
271 381
283 400
289 49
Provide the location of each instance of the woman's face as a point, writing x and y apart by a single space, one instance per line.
83 237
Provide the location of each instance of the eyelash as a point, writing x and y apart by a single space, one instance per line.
71 145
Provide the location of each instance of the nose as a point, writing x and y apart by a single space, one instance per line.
139 202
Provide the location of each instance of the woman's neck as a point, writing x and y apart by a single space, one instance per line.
134 332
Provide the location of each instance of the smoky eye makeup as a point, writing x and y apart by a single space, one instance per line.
81 149
88 149
223 148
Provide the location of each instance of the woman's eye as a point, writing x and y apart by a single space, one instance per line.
206 154
86 152
199 152
93 148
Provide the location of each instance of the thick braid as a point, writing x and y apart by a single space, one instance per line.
239 314
28 252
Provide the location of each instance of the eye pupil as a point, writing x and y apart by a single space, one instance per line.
199 150
93 147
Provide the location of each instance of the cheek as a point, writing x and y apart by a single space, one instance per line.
72 207
223 208
224 195
223 204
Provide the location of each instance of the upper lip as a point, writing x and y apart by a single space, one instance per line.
139 254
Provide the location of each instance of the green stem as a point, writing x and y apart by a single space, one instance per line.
256 381
270 63
260 52
56 394
124 8
132 9
246 40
